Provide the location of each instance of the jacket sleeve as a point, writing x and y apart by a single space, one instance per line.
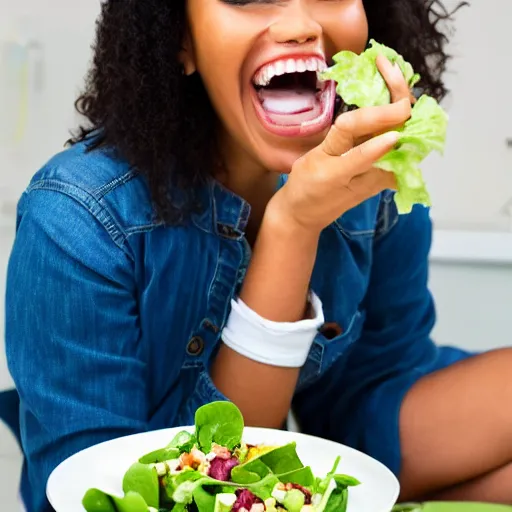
72 333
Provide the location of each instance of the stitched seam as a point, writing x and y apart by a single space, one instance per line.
349 233
89 202
102 191
145 228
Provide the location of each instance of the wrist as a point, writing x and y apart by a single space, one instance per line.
279 220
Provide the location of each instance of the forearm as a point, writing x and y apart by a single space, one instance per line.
277 281
276 288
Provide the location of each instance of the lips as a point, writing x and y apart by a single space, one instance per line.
290 100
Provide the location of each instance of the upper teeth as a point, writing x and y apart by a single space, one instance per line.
283 66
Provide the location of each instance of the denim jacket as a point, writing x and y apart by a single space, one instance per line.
112 318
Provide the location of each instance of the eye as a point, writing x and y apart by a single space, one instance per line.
247 2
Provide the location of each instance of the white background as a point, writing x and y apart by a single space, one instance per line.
471 185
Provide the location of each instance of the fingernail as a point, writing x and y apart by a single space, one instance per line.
391 137
397 69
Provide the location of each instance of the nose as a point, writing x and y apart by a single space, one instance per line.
295 25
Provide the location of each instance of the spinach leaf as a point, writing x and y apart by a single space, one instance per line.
280 460
323 484
99 501
346 481
334 488
95 500
250 472
338 501
219 422
172 483
131 502
160 456
204 500
143 480
183 441
183 487
263 489
283 459
303 476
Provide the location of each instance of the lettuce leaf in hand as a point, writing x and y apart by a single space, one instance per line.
424 132
358 79
360 83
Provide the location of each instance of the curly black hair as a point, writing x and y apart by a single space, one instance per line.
138 102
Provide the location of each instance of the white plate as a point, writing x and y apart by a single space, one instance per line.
104 465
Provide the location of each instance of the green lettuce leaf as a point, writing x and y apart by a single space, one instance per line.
358 79
360 83
424 132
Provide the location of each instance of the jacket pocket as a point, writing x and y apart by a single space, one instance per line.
329 346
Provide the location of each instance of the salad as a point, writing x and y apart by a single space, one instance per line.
359 83
213 470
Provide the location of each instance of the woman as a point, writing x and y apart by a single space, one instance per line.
201 240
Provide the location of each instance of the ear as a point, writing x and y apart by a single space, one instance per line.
187 55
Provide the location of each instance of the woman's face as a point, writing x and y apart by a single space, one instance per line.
258 61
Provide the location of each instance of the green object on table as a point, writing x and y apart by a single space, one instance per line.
451 506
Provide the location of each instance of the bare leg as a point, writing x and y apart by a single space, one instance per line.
456 428
495 487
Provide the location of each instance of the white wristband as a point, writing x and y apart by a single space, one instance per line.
284 344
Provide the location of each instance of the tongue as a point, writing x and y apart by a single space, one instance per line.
287 101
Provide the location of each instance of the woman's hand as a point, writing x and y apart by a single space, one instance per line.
339 174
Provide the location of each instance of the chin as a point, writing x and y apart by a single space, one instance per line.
280 158
281 164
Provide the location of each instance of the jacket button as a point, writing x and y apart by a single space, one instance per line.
227 231
195 346
207 324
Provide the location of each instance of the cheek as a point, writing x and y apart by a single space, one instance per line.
346 29
215 31
218 60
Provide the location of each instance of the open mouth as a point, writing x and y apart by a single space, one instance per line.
290 99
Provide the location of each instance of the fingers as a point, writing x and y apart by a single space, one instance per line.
372 182
394 79
357 125
360 158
